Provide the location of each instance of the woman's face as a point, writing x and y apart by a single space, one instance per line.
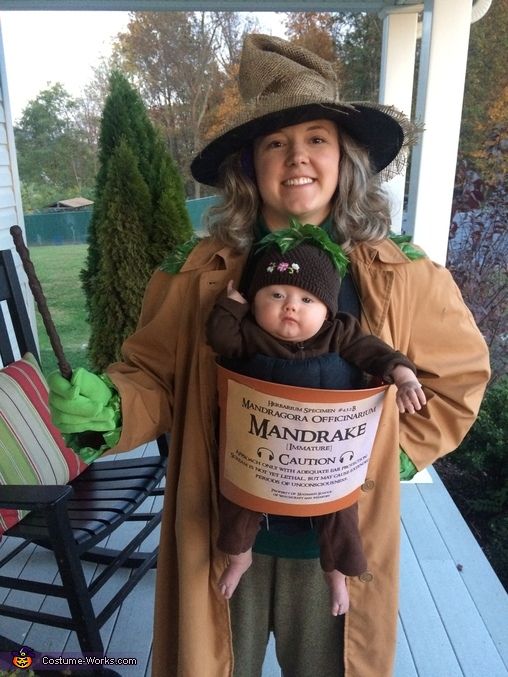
297 170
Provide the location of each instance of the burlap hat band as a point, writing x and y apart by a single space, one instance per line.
269 104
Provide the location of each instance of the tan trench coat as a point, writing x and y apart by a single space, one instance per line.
167 382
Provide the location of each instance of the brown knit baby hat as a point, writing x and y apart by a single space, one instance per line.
305 266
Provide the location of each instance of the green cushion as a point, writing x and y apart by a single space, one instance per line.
32 450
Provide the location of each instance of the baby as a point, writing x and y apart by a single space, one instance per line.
290 320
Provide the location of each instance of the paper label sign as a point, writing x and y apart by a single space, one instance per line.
294 451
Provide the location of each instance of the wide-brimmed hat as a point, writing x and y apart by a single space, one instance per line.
283 84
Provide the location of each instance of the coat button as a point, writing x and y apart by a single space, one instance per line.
368 485
366 577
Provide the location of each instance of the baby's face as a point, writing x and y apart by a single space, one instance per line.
289 313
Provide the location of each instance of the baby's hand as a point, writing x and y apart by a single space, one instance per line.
234 293
410 397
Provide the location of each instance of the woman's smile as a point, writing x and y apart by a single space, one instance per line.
298 181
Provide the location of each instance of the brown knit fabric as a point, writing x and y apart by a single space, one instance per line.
305 266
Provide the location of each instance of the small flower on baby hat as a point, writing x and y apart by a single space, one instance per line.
282 267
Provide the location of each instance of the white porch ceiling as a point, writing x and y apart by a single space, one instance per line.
223 5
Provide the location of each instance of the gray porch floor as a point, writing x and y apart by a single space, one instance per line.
452 619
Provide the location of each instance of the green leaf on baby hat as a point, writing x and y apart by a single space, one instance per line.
297 233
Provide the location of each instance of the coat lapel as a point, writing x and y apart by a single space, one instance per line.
375 294
375 283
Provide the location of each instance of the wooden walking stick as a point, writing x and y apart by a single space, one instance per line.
40 300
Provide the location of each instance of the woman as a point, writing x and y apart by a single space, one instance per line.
294 150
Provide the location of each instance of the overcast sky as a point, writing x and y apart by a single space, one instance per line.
42 47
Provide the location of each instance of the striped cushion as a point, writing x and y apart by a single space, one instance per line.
32 450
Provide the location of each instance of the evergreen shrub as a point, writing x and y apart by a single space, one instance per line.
482 457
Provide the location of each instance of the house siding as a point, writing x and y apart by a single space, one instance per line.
11 212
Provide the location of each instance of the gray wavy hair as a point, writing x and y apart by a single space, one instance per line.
360 208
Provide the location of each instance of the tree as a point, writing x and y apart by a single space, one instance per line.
358 37
312 30
170 225
150 225
350 40
233 27
53 155
486 85
478 244
123 117
180 62
171 58
124 267
229 105
478 250
91 103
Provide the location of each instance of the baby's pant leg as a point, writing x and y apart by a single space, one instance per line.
340 542
238 527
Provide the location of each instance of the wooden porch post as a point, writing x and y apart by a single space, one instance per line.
396 82
442 74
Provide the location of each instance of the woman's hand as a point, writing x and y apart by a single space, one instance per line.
234 294
85 403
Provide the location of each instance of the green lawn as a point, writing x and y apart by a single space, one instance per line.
58 270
